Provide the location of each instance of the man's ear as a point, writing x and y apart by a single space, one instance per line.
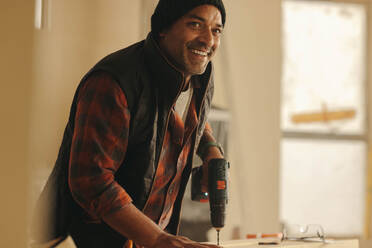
162 34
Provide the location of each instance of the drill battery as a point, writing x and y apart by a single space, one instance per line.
196 189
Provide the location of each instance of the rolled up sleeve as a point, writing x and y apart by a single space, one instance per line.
207 136
99 145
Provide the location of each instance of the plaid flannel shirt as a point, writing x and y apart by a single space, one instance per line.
99 145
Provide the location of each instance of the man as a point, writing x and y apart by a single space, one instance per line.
136 121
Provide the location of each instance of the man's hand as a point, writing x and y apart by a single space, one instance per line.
170 241
134 225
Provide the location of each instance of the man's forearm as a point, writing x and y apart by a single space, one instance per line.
133 224
206 151
206 154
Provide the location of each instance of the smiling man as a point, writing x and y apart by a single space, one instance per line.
138 117
191 41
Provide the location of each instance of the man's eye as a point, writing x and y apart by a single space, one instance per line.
195 24
217 31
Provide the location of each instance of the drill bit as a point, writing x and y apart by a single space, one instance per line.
218 237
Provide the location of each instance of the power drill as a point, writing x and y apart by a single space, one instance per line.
217 190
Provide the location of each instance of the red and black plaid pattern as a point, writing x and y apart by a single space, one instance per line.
173 159
99 145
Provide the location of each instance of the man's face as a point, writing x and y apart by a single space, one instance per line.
192 40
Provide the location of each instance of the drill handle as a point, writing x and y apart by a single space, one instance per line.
196 187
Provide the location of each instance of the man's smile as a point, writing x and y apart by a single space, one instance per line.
199 52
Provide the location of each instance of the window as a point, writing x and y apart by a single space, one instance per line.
323 118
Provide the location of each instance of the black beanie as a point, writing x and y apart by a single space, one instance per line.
169 11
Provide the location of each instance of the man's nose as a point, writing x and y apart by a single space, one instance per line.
207 38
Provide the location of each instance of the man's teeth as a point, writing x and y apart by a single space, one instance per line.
199 52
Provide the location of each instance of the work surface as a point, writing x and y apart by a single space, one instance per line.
354 243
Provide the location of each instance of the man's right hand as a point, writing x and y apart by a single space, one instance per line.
136 226
170 241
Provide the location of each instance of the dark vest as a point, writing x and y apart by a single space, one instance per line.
151 85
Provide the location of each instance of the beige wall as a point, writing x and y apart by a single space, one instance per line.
251 80
369 87
76 35
16 82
